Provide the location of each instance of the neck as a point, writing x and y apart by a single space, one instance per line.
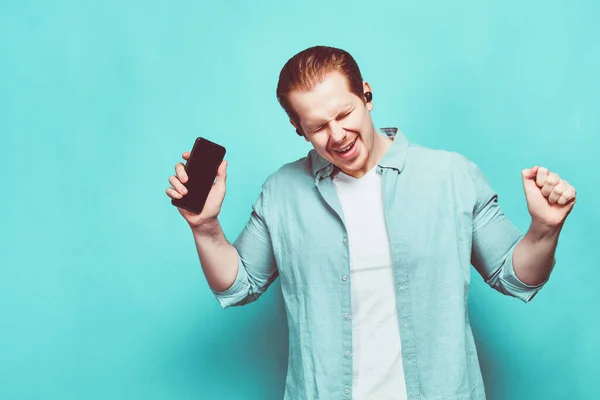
381 144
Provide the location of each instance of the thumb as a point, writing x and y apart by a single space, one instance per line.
529 173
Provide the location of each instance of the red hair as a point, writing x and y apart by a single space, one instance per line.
309 67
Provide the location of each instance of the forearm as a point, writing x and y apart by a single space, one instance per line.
533 257
217 256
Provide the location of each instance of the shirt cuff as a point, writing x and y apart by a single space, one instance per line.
516 287
238 291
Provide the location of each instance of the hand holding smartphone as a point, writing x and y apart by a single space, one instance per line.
201 170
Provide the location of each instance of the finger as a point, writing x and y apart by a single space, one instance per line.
542 174
557 192
174 194
176 183
222 173
180 172
569 195
551 181
530 173
186 155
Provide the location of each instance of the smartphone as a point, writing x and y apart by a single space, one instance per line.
201 169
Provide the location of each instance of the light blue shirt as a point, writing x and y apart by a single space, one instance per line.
442 217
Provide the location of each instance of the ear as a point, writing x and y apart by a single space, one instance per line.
367 88
298 129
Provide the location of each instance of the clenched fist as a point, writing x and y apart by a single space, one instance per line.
549 198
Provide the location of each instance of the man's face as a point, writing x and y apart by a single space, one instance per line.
337 123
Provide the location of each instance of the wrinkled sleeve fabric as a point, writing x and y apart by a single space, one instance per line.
257 268
494 240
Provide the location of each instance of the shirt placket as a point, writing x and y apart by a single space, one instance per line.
327 191
394 208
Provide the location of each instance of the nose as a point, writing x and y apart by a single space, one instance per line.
337 133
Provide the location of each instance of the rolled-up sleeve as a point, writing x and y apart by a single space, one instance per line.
494 240
257 268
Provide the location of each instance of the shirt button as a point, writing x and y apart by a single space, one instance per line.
347 353
397 247
406 324
344 278
345 240
347 391
409 360
346 316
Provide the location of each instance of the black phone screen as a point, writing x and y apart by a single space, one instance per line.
201 168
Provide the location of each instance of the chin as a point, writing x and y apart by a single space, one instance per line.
358 165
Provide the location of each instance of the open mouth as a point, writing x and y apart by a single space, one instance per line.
347 149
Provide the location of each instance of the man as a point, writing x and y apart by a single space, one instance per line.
372 238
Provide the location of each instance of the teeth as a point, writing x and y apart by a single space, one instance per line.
346 148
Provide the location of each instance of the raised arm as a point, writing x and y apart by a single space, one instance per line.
236 273
510 262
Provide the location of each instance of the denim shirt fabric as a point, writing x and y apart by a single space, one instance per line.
442 217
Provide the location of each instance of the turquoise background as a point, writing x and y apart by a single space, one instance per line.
101 292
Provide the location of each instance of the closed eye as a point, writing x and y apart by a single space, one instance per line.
342 116
345 114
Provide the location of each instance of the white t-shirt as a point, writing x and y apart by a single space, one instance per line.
377 359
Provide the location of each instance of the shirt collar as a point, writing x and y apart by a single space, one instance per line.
394 158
